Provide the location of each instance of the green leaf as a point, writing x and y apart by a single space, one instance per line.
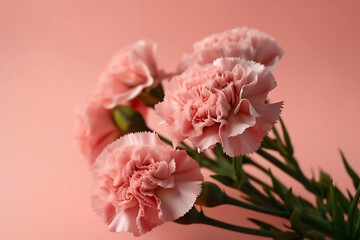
323 184
336 213
241 182
312 218
287 236
342 200
223 161
237 163
220 155
269 143
353 214
301 202
253 198
349 195
355 178
289 200
321 207
205 162
263 225
356 234
314 235
197 157
296 223
228 181
276 133
286 136
279 188
325 179
268 192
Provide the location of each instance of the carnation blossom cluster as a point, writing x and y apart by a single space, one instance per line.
140 182
217 95
221 102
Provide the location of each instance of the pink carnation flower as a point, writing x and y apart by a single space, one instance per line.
129 72
94 128
140 182
246 43
221 102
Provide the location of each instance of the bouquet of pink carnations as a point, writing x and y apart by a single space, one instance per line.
216 111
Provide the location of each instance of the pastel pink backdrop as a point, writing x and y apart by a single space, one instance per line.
52 52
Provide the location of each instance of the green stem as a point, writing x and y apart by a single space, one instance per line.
235 202
258 181
201 158
316 222
352 210
297 175
293 161
247 160
165 140
276 133
275 161
186 146
217 223
252 191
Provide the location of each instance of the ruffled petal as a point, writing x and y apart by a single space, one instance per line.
136 179
175 202
125 221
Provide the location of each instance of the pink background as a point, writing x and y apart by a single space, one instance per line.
52 52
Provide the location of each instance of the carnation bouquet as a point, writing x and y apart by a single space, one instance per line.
218 116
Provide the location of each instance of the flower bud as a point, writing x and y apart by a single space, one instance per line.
192 216
150 97
129 120
211 195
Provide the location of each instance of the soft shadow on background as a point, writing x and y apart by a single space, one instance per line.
52 52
